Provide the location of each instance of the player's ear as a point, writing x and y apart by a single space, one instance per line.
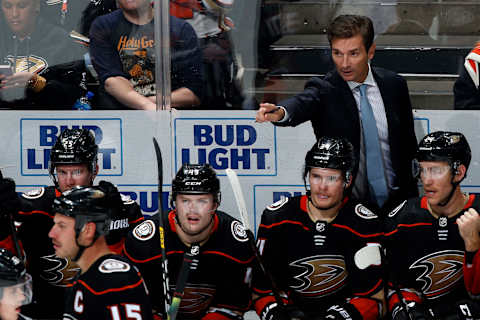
89 231
459 173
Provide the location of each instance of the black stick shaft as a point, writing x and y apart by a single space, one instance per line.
161 230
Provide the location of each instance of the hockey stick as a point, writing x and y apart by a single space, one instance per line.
237 191
13 230
161 229
189 262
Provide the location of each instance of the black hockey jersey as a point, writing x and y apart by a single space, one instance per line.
50 273
220 283
426 254
313 262
112 288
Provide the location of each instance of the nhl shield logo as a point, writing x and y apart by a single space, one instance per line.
442 222
320 226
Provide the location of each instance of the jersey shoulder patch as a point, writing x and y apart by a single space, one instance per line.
398 208
277 205
34 193
113 265
126 199
145 230
238 231
364 212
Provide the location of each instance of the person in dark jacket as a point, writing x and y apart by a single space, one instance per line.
30 48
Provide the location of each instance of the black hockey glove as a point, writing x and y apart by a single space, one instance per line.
342 312
274 312
467 310
415 312
113 196
9 201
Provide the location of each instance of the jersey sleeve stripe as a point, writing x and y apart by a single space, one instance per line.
283 222
29 213
371 291
148 259
358 233
131 286
138 220
402 225
229 257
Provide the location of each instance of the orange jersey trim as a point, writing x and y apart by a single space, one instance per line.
375 287
228 256
283 222
409 226
138 220
356 232
139 282
29 213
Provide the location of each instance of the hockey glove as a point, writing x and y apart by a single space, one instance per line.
9 201
414 311
468 310
273 312
112 194
344 311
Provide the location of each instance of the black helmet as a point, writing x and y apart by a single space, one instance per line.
196 179
86 204
73 146
451 147
331 153
13 274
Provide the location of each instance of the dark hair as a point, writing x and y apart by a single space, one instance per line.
348 25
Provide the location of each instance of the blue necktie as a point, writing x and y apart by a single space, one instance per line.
373 154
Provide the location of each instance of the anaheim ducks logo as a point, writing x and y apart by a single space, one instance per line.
32 63
196 300
320 275
58 271
441 272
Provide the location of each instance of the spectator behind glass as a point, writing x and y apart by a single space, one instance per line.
123 54
75 15
220 70
29 46
465 90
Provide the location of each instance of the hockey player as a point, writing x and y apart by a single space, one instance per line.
308 244
108 286
15 286
218 283
73 161
425 250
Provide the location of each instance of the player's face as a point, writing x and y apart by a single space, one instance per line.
63 236
71 175
351 57
194 211
436 177
326 187
11 302
20 15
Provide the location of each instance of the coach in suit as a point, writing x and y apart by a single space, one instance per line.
368 106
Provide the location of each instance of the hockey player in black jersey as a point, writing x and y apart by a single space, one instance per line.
217 286
427 255
308 244
107 286
15 286
73 161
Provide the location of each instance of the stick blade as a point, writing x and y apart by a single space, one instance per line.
368 256
237 191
